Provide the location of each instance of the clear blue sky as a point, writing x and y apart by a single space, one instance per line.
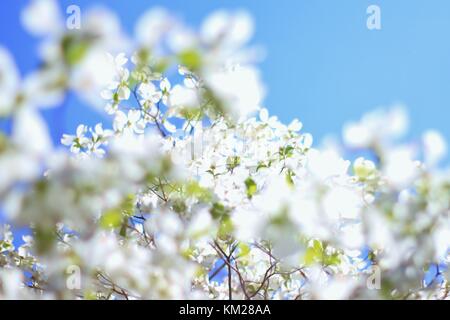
323 65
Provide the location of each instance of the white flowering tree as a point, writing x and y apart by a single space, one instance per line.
195 191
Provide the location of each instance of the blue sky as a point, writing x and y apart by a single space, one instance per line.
323 65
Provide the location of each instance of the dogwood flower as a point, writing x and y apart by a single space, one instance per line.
149 93
378 127
118 88
78 141
131 122
239 87
435 147
42 17
231 30
9 82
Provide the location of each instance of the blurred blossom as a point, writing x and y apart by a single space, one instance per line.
9 82
435 147
380 126
400 168
152 26
231 30
239 87
42 17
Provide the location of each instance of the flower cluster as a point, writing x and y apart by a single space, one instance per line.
196 191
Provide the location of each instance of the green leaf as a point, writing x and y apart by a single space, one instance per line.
3 142
310 256
111 219
314 253
143 56
44 239
179 206
233 162
188 252
90 295
191 59
286 152
193 189
5 246
244 249
289 179
317 245
218 211
317 254
214 106
332 259
128 205
251 187
225 228
115 217
161 65
74 49
191 113
260 166
123 229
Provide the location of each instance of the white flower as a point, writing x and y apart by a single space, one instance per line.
6 236
182 97
341 203
200 225
182 70
131 122
169 126
118 87
104 24
376 128
165 87
249 224
78 141
42 18
435 147
31 134
240 88
326 164
11 280
152 25
149 93
307 140
274 195
43 89
335 289
181 38
232 30
96 72
295 125
442 240
270 121
363 168
84 146
99 133
99 138
9 82
400 168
